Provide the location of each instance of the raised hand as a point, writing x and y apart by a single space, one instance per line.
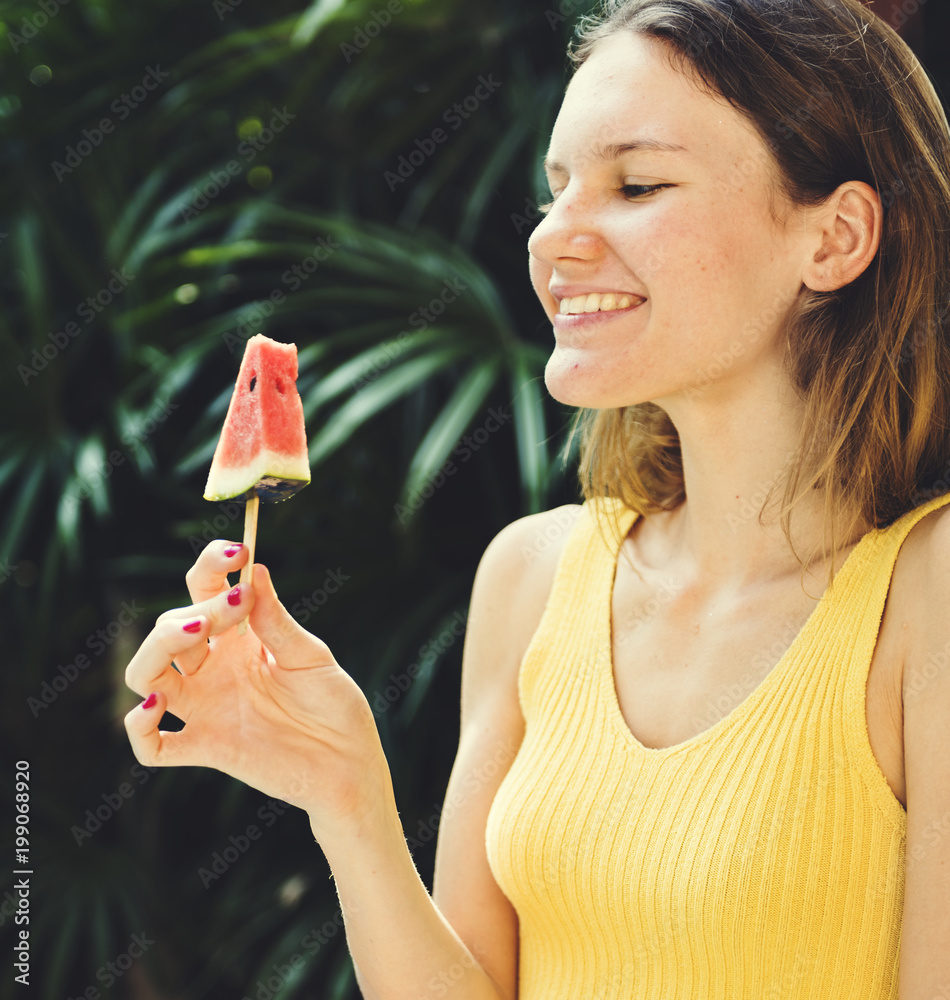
271 707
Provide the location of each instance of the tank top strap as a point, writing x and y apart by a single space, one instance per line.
849 638
850 610
896 532
582 585
868 581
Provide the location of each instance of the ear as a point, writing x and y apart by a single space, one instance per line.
849 228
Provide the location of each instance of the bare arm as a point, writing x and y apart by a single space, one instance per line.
925 933
471 919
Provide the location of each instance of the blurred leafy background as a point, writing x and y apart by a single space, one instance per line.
177 177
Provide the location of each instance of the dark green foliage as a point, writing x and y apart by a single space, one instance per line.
426 436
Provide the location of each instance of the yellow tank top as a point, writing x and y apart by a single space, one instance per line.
760 860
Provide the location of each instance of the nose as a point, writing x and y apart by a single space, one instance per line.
569 230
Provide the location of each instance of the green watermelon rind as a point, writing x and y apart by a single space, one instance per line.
272 478
270 489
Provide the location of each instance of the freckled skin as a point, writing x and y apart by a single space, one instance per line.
705 251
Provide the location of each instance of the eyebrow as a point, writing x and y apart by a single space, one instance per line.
614 150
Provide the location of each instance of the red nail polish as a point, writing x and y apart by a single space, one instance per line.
150 701
233 550
192 627
234 596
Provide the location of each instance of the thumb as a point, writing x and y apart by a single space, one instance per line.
292 646
157 748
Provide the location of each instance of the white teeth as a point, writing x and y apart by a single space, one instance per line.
595 302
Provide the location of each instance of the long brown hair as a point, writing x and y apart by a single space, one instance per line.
836 95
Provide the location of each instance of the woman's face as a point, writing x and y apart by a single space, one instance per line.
663 198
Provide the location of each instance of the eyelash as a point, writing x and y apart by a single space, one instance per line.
640 191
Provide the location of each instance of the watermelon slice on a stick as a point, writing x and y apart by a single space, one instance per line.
262 451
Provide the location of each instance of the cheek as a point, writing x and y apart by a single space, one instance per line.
736 238
694 258
665 251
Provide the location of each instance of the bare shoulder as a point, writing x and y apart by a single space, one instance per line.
511 588
536 538
526 551
933 534
921 581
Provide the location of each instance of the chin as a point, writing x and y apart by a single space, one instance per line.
573 383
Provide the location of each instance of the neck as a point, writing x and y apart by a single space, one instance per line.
733 456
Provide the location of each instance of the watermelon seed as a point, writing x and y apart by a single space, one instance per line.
253 382
280 386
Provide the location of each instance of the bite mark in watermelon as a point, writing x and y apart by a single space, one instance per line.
263 445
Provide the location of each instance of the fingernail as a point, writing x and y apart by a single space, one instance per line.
150 701
233 550
234 596
194 626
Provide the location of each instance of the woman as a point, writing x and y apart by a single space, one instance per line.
680 773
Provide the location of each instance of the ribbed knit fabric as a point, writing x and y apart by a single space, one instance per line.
761 860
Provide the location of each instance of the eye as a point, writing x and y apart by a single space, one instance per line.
635 191
641 190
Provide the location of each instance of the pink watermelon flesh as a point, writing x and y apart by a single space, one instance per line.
263 444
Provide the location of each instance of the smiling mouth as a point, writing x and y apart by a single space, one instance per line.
597 302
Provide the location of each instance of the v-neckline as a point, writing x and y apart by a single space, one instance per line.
773 678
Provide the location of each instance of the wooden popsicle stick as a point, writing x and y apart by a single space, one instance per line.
250 537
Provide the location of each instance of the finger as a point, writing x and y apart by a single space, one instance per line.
189 661
291 644
151 668
151 746
223 610
208 577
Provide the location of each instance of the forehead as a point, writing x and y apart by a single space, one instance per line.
630 90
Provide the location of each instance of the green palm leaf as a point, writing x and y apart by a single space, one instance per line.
528 406
376 396
448 427
365 367
318 14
